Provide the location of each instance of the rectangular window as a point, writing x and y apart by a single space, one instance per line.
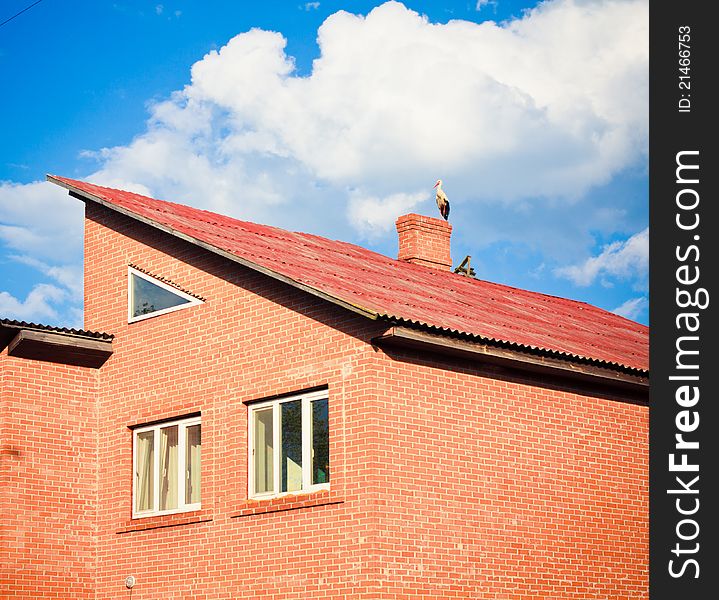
166 460
289 445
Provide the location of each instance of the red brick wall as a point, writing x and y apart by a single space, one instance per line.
448 480
493 486
48 479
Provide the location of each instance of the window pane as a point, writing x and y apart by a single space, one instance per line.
264 452
148 297
193 449
144 470
320 442
291 457
168 468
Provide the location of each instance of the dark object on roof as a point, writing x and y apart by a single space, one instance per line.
379 287
465 268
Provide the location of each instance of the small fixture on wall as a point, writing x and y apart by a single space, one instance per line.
129 582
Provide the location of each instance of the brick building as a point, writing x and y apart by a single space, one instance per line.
255 413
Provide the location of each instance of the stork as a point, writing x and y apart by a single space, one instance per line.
442 200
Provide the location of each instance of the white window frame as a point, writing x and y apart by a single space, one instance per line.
191 300
182 425
307 486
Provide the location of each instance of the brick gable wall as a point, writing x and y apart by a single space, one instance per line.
253 338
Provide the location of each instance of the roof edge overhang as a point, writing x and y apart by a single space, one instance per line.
637 384
86 196
515 346
52 346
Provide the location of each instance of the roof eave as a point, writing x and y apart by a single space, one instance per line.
515 346
57 347
636 382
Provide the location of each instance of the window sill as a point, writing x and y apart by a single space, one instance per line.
288 502
169 520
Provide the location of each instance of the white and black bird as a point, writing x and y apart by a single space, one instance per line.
442 200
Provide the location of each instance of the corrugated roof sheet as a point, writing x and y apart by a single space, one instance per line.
14 324
388 288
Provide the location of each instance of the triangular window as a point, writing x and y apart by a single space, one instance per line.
150 297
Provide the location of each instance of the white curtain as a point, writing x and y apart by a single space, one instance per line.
168 468
144 496
264 457
192 465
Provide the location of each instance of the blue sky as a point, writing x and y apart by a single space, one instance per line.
335 118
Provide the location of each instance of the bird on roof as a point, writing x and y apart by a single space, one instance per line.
442 200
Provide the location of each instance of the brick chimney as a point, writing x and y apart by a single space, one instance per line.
424 241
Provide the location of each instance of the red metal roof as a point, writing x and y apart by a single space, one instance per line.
387 288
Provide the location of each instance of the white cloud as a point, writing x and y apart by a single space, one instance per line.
37 306
44 224
546 106
68 276
632 308
311 5
623 260
41 220
372 214
482 3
